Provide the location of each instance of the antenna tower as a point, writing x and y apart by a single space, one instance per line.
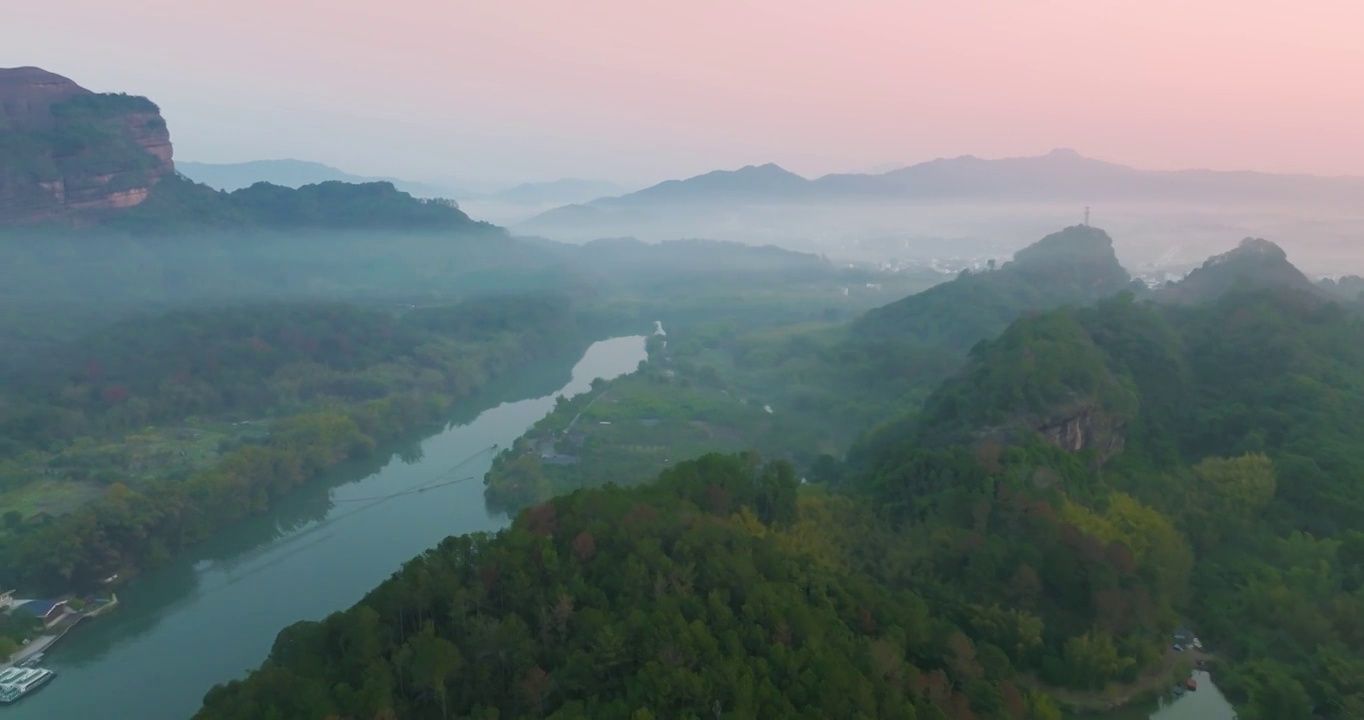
1086 216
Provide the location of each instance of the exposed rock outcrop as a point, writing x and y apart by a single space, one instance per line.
1087 428
67 153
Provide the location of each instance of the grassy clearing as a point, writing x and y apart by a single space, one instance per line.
80 472
50 495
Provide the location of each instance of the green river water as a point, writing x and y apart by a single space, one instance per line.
212 614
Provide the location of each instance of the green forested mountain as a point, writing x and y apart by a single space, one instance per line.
1074 266
797 385
1256 262
1090 480
178 204
895 353
1235 420
911 344
710 382
716 592
1349 288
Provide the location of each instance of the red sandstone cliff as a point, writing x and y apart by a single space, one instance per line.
67 153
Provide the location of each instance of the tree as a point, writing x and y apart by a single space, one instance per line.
1241 487
434 661
584 546
535 688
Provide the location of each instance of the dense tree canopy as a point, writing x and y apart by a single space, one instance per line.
323 383
702 596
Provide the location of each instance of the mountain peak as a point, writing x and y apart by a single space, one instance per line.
30 75
1077 243
1064 153
124 148
28 93
1255 262
771 169
750 181
1251 248
1074 266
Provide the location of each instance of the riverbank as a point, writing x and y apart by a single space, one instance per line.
44 642
142 524
210 613
1175 667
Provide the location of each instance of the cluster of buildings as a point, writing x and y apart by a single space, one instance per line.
48 612
20 679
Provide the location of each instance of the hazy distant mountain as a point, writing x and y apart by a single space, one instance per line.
562 191
1350 287
1060 176
292 174
882 168
754 182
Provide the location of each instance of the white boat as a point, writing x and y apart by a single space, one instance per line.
17 682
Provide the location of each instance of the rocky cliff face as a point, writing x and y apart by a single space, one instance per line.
67 153
1087 428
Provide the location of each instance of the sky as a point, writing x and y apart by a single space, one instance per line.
502 91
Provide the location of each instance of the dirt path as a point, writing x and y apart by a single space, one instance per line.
1116 696
586 407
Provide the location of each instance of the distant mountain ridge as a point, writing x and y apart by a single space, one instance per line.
1062 175
563 190
291 173
181 205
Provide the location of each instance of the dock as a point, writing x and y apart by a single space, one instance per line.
16 682
40 644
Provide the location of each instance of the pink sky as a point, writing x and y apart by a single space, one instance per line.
640 90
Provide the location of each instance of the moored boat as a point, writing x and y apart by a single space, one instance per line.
16 682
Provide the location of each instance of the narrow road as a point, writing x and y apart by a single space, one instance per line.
574 421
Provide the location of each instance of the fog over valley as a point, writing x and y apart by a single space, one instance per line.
622 361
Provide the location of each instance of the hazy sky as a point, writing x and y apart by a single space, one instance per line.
641 90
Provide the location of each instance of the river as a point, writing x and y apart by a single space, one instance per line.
1206 703
212 614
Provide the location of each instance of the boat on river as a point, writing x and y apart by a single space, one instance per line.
16 682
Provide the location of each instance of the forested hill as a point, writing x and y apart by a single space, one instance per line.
1074 266
968 562
1255 263
1234 419
166 429
717 592
846 377
1350 287
178 204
